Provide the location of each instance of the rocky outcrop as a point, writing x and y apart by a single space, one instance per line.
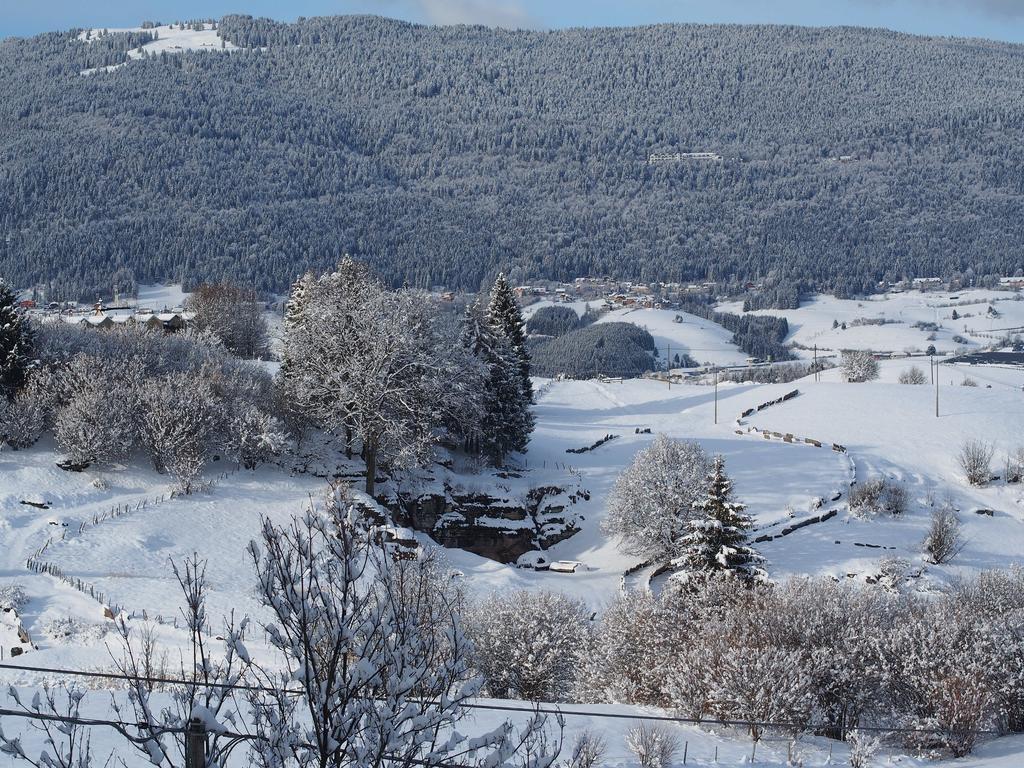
502 528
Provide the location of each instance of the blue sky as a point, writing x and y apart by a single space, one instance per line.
998 19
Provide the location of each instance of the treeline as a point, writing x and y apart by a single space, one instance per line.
601 349
760 336
423 150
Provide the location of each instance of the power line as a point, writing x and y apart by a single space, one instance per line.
488 707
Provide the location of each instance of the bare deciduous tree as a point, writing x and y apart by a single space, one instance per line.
975 458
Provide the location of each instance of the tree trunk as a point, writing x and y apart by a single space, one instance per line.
371 468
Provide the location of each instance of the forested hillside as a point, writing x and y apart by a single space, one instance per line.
442 154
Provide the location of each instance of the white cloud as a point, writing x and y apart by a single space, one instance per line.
508 14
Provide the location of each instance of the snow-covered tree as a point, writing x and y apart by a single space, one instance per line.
99 420
294 314
232 314
655 496
380 368
55 714
24 417
716 539
859 365
504 314
15 343
377 653
507 420
527 643
252 436
179 425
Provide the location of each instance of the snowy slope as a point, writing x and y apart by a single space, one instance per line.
703 340
812 323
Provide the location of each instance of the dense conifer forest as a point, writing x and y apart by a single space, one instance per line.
442 155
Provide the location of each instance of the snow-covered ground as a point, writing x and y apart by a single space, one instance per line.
170 39
887 429
812 324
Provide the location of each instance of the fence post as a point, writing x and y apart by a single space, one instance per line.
195 744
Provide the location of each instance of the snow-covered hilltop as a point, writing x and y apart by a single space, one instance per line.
167 38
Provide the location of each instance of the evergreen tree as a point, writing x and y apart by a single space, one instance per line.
506 421
296 305
717 537
504 314
15 343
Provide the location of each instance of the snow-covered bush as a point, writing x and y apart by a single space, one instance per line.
1015 465
913 375
655 746
863 748
878 495
654 498
859 365
179 423
99 419
254 436
22 420
968 382
588 750
975 459
634 647
12 597
944 540
526 644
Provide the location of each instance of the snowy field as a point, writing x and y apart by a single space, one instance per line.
170 39
812 323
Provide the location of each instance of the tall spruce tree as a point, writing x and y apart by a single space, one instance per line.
506 421
717 536
504 314
296 305
15 343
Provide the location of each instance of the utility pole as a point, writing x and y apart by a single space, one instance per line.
816 363
936 376
931 367
195 744
668 359
716 394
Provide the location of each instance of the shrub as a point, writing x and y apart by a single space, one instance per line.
863 747
968 382
655 746
878 495
913 375
943 541
526 643
588 750
975 459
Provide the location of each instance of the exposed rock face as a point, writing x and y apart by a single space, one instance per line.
500 528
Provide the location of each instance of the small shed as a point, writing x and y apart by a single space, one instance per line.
566 566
